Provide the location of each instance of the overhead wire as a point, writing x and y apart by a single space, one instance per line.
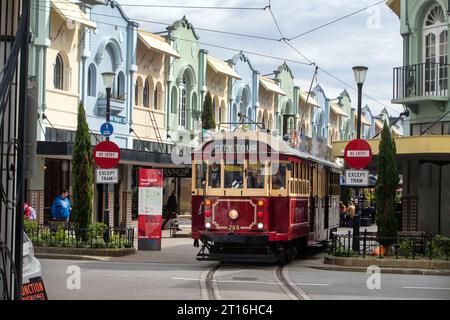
336 20
283 39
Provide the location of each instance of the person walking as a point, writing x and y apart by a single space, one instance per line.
171 208
61 207
351 212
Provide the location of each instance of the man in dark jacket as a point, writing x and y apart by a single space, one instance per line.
171 208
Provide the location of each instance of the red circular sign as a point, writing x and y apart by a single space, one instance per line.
358 154
106 154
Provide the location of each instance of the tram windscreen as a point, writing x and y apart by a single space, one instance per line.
214 173
279 178
234 176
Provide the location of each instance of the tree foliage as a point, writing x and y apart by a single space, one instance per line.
208 114
386 187
82 170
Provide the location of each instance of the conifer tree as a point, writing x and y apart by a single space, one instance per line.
208 114
386 187
82 171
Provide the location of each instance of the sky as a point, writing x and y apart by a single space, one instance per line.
370 38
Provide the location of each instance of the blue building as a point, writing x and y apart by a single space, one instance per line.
244 97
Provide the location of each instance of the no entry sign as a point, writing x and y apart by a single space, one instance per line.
358 154
106 154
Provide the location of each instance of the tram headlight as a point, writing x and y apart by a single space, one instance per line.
208 225
233 214
260 226
260 203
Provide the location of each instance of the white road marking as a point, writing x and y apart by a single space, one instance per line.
427 288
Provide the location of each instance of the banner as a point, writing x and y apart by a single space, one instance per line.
150 209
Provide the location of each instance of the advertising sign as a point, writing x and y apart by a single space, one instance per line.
150 209
357 178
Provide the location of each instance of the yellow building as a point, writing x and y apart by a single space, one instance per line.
218 81
149 86
269 93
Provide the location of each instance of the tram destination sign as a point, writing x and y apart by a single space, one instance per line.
357 178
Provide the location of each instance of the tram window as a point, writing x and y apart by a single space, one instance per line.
255 176
214 175
279 178
200 175
234 176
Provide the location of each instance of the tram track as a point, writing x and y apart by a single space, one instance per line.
293 291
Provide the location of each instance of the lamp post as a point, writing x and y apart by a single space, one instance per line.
360 76
108 81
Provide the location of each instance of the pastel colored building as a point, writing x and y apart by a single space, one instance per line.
219 77
244 96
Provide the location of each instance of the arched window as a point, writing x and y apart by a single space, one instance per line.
145 93
155 98
174 99
138 92
234 114
58 73
435 51
120 93
92 81
182 115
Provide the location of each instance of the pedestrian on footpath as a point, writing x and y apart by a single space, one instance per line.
61 207
171 208
351 212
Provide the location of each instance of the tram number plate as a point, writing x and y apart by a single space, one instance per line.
233 228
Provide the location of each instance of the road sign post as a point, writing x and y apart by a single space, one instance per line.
106 156
357 155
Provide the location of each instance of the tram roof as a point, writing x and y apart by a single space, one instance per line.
280 146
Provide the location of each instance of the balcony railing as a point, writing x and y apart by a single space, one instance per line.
420 80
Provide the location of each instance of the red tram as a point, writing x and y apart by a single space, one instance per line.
254 198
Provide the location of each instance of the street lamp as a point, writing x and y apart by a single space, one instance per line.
360 77
108 81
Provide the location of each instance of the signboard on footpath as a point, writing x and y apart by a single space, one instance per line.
150 209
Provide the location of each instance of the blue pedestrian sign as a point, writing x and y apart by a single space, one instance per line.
106 129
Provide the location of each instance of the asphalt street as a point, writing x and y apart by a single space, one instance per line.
186 280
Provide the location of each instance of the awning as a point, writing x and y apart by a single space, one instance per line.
338 110
270 85
363 120
311 100
220 66
157 43
70 11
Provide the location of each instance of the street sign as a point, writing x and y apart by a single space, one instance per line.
357 178
358 154
106 129
106 154
107 175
